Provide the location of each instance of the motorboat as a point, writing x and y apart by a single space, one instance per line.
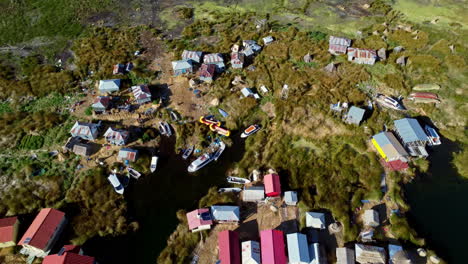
174 116
134 173
237 180
226 190
168 129
218 151
154 163
250 130
220 130
209 120
116 183
199 163
187 152
432 135
162 128
389 102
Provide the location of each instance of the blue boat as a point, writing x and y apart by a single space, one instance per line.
223 113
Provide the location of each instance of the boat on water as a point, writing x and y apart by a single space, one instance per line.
162 128
220 130
168 129
250 130
187 152
219 151
225 190
154 163
174 116
432 135
387 101
209 120
116 183
237 180
134 173
199 163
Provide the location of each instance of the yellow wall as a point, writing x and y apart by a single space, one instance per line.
376 145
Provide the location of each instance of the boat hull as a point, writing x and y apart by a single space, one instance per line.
199 163
250 130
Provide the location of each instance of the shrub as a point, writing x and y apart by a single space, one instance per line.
88 111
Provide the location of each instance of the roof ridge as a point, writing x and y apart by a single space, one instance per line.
39 226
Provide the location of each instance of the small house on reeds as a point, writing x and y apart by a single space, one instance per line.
199 219
8 231
338 46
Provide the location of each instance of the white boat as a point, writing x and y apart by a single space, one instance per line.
162 128
434 138
237 180
387 101
134 173
225 190
219 151
199 163
174 116
168 129
154 163
187 152
250 130
116 183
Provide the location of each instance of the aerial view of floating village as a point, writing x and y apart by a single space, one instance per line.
233 131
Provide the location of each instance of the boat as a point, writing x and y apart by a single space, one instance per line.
225 190
168 129
222 112
187 152
387 101
220 130
199 163
237 180
154 163
162 128
250 130
116 183
432 135
219 151
424 97
174 116
209 120
134 173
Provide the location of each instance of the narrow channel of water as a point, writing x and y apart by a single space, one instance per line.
154 200
439 205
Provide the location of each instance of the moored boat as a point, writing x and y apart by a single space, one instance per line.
224 190
432 135
174 116
219 151
220 130
237 180
168 129
199 163
134 173
187 152
154 163
162 128
387 101
250 130
116 183
208 120
424 97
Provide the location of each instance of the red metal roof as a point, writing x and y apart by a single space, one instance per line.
272 184
207 70
273 250
68 258
103 100
229 249
395 165
42 228
199 217
7 229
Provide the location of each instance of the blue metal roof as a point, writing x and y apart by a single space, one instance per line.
410 130
298 250
290 196
355 115
225 213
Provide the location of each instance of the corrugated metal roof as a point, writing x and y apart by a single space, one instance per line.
410 130
115 135
250 252
213 58
42 228
101 102
85 130
141 92
207 70
290 197
127 154
298 250
199 217
109 85
246 92
255 193
68 258
390 145
314 252
369 254
225 213
355 115
344 256
181 65
192 55
272 184
7 229
315 220
339 41
229 248
362 53
272 243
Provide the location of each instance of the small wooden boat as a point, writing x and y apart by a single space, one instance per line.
116 183
432 135
237 180
223 113
134 173
209 121
220 130
250 130
199 163
154 163
424 97
225 190
387 101
174 116
162 128
219 151
187 152
168 129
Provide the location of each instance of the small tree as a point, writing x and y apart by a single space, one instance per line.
88 111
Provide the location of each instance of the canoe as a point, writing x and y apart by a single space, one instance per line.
154 163
162 128
250 130
168 129
187 152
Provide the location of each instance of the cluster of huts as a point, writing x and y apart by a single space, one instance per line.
408 139
83 132
207 65
41 237
341 46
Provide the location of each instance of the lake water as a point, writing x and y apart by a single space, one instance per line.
439 206
154 200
